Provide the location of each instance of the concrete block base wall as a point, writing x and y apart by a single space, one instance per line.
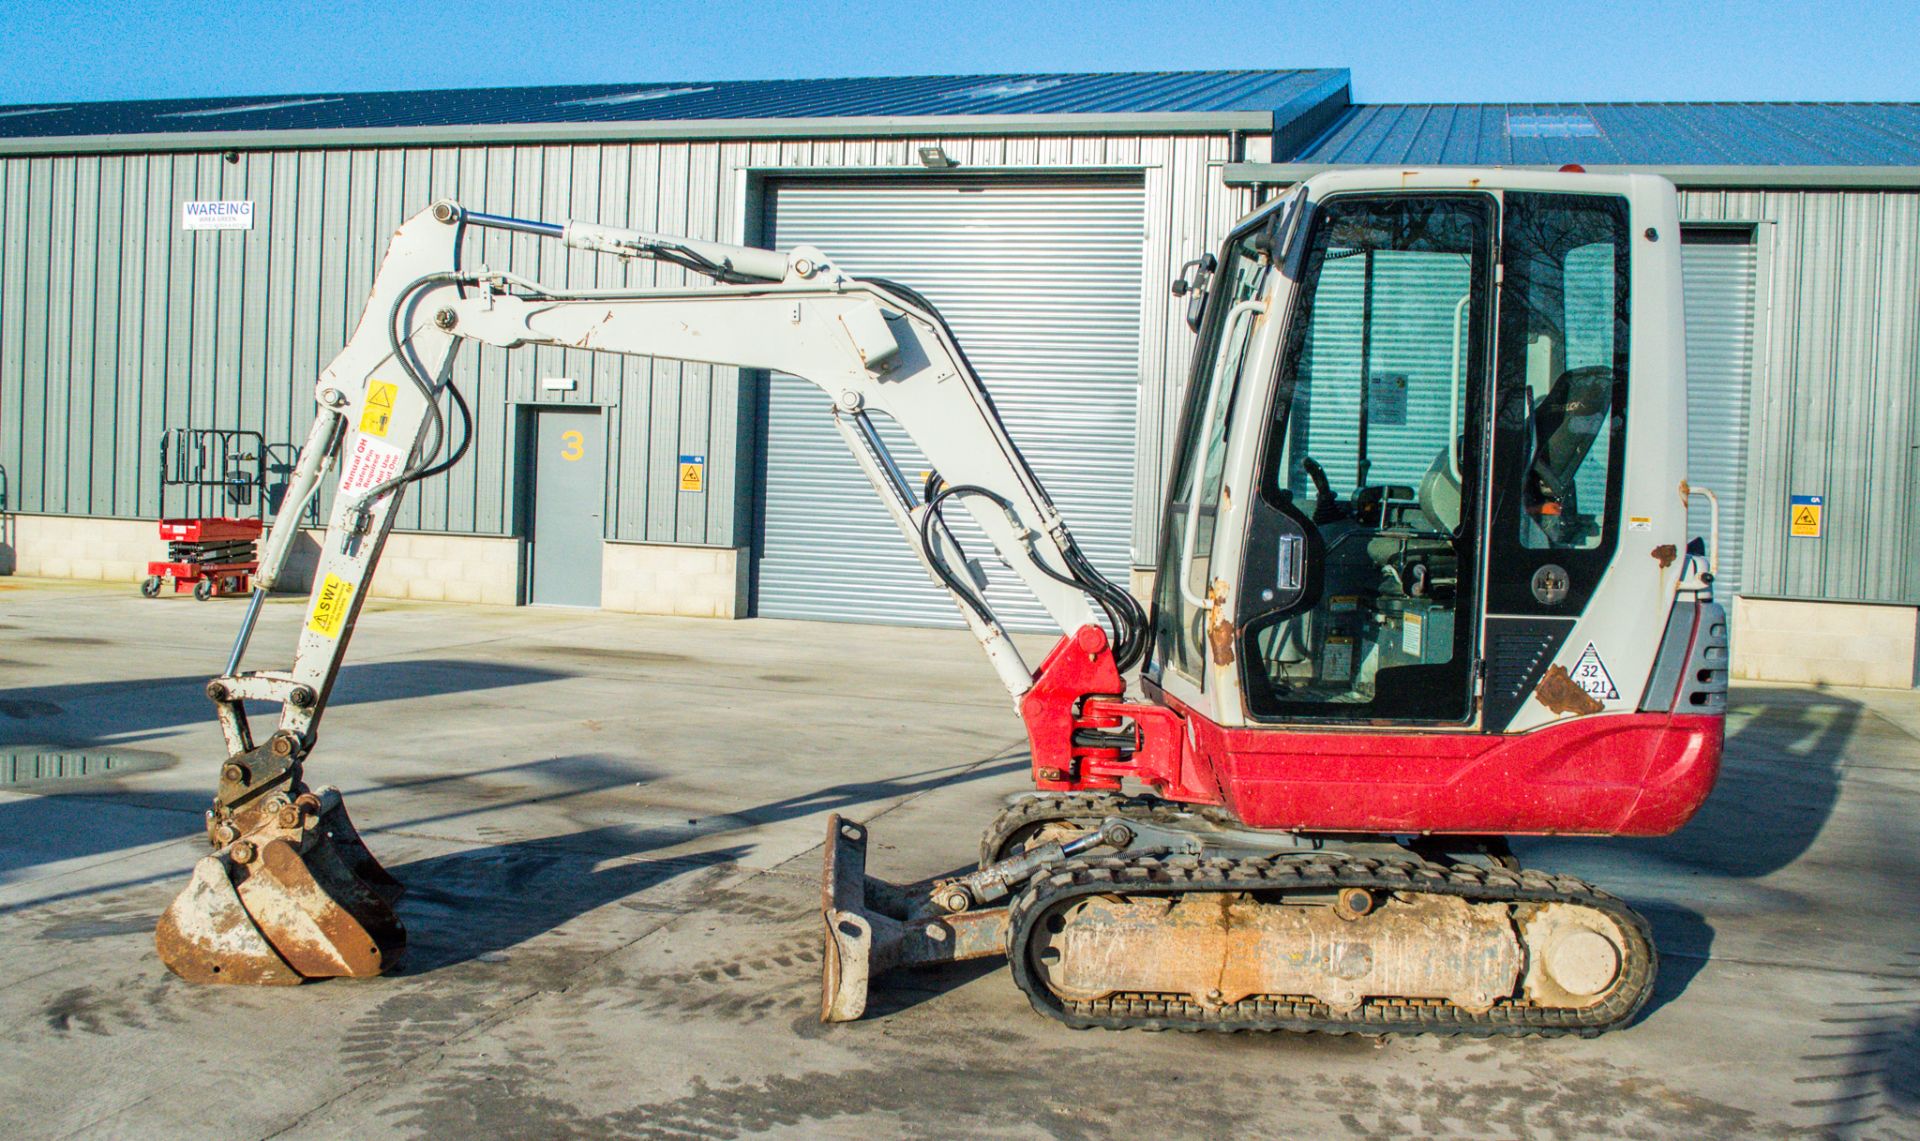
695 582
640 578
1826 643
62 546
450 568
432 568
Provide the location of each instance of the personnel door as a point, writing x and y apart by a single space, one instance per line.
569 489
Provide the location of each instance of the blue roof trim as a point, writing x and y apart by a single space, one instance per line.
1622 134
1288 94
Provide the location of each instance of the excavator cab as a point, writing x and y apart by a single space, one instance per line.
1447 398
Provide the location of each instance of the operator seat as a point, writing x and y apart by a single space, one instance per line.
1440 494
1566 422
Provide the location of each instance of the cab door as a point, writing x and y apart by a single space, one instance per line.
1560 438
1359 592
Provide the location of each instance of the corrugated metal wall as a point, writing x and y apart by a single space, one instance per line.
116 324
1835 396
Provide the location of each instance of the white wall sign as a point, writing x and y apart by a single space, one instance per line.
216 215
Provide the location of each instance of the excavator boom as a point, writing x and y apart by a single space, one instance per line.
290 891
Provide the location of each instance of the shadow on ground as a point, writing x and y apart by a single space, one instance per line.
1778 784
512 891
480 901
65 826
1864 1067
88 714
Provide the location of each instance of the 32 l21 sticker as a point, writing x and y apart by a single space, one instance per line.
1590 674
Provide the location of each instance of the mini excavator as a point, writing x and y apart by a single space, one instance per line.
1424 584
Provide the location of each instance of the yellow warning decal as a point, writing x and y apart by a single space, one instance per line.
330 607
1803 520
378 413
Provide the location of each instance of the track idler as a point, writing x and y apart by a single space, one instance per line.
290 893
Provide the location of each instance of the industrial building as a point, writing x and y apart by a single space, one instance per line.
193 264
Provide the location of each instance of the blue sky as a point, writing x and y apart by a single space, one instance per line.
1410 51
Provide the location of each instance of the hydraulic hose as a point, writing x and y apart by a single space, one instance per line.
418 464
1124 613
1131 636
946 574
466 434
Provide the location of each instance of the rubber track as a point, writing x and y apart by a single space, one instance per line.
1318 872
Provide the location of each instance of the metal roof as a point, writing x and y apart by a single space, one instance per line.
1627 134
1286 95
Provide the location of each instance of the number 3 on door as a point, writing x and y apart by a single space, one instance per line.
573 446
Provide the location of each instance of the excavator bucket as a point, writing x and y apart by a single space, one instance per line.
873 926
297 898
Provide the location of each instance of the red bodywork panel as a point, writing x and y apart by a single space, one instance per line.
1621 774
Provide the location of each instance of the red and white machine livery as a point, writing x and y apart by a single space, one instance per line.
1424 584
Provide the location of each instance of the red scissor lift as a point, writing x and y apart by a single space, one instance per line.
210 557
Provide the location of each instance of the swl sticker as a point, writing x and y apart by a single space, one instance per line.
1590 674
330 606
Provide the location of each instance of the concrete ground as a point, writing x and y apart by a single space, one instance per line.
609 826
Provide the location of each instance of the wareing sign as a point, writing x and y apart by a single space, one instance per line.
216 215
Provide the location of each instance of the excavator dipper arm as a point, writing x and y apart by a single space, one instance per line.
290 891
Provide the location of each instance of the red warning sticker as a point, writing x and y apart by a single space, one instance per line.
369 464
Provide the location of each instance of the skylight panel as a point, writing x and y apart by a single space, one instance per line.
1559 126
243 108
1002 90
32 111
634 96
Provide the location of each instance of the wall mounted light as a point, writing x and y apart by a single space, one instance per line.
933 158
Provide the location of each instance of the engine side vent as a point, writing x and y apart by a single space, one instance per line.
1518 653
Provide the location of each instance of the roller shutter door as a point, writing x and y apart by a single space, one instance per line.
1042 285
1719 266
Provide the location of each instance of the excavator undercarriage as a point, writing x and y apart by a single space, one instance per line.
1128 912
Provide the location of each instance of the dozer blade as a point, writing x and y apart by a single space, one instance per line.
873 926
297 898
848 960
